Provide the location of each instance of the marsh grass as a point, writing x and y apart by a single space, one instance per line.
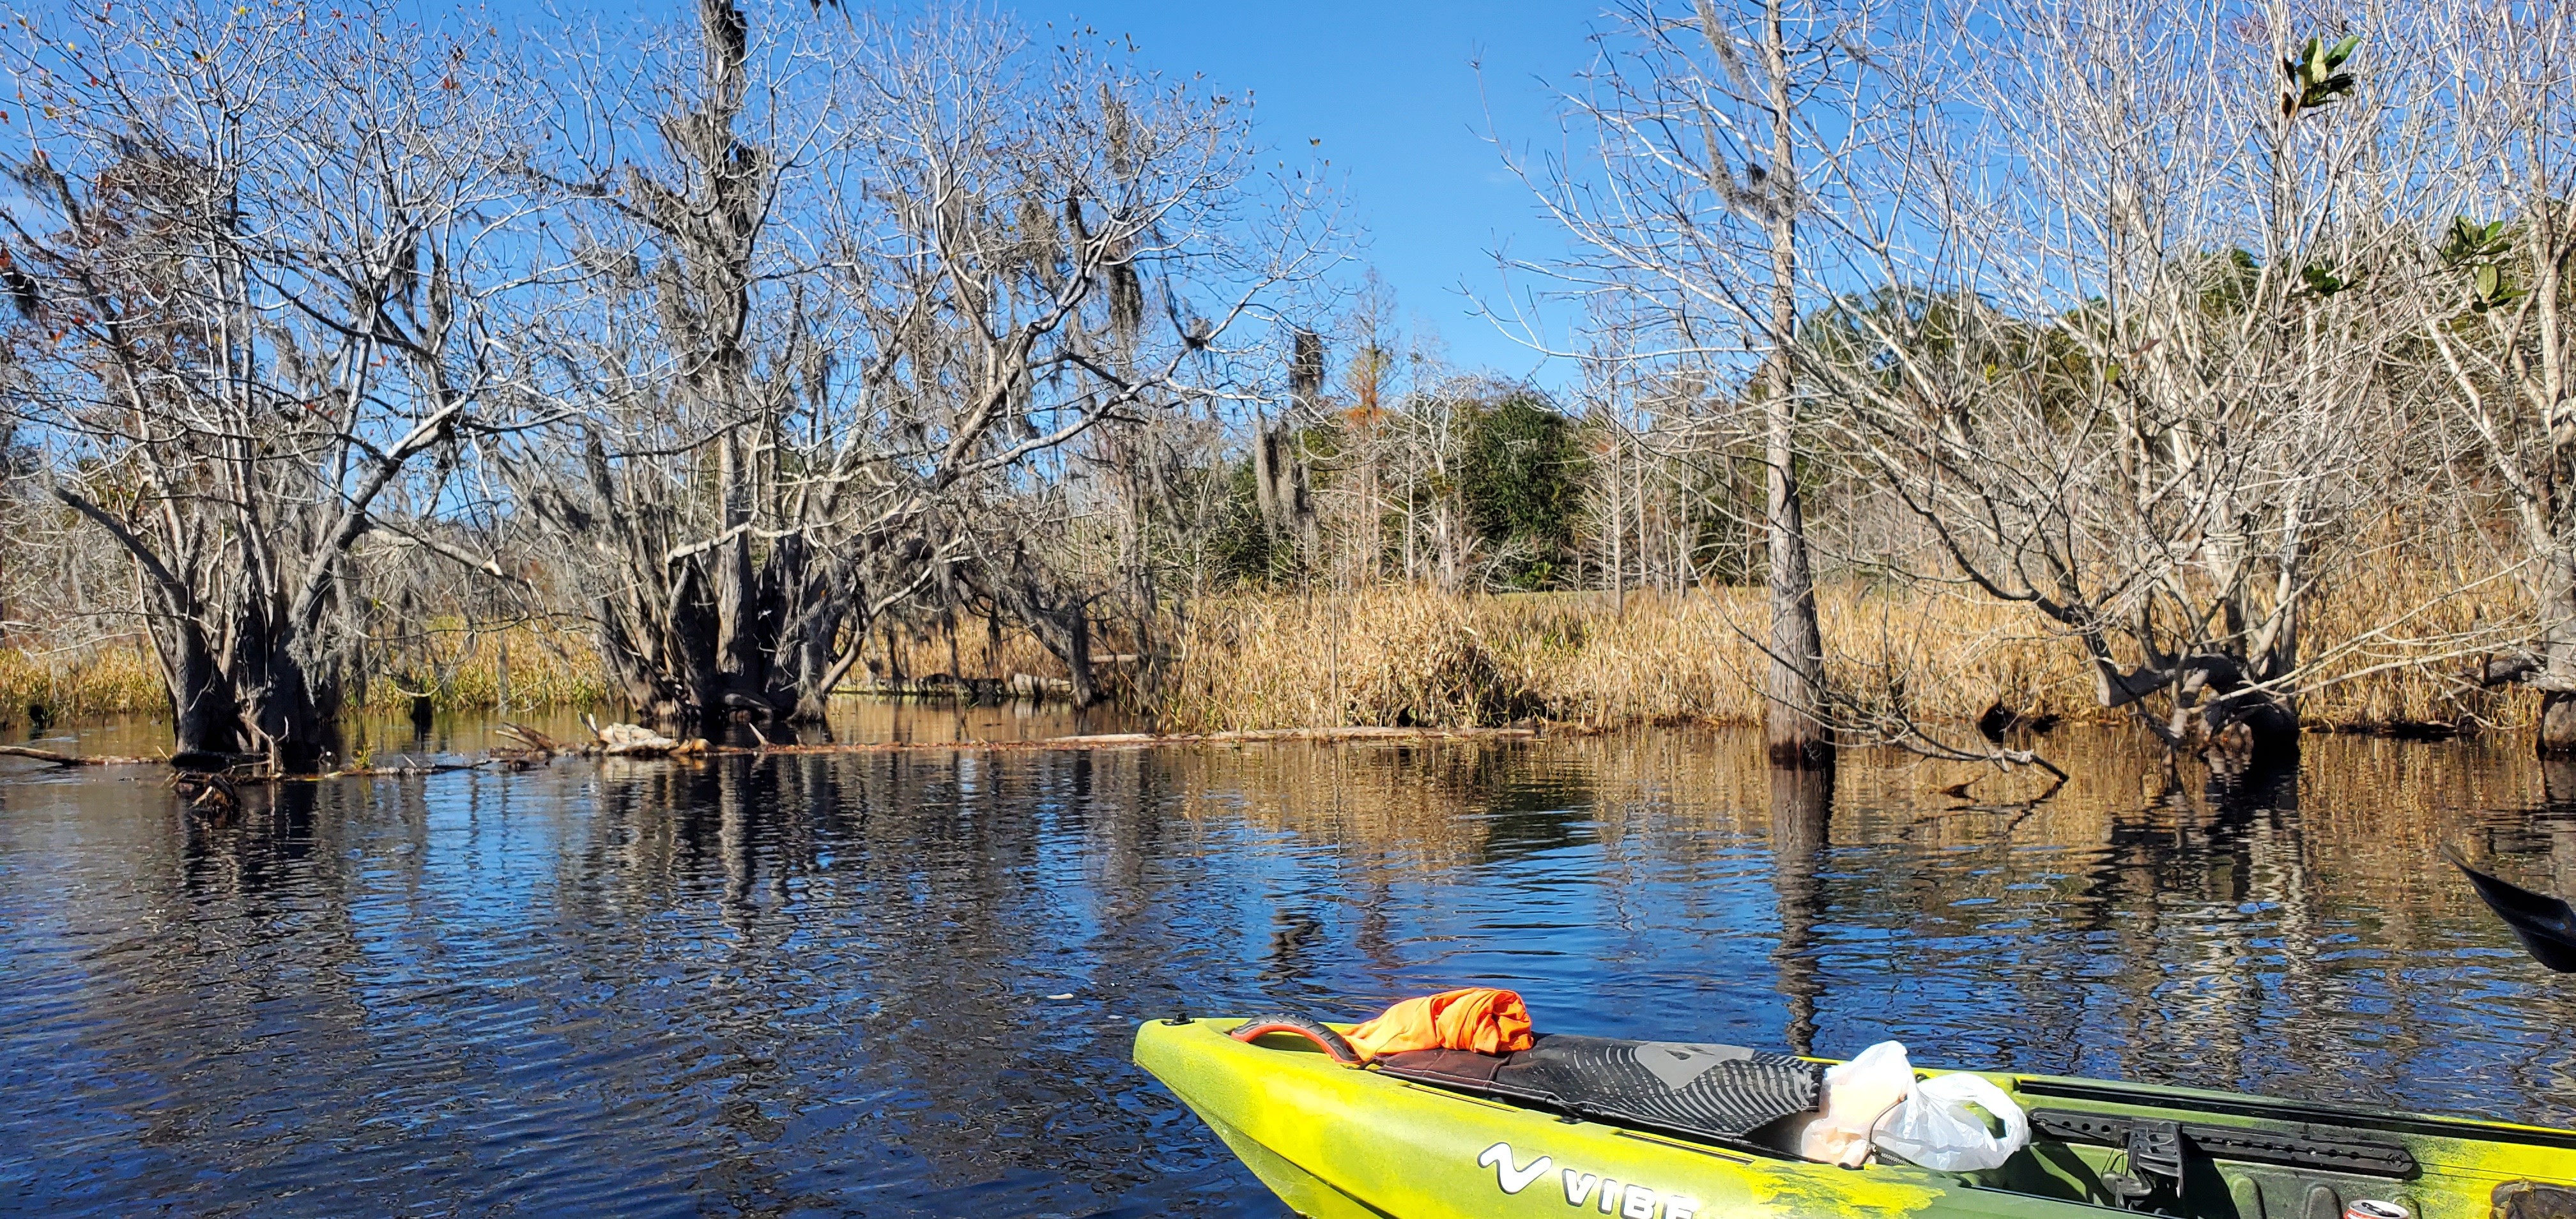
1413 656
463 670
460 671
1407 656
115 677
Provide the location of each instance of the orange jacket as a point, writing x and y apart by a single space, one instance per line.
1477 1018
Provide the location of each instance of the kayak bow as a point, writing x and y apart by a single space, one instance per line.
1334 1141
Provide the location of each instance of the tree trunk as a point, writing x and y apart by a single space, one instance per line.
1306 395
1077 657
204 717
739 655
692 647
1265 475
2558 658
297 721
1618 556
1794 729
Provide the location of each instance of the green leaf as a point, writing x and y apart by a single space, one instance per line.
2343 50
2461 241
2489 279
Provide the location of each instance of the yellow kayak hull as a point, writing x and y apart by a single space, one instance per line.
1336 1142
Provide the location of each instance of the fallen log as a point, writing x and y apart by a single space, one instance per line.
74 759
634 741
410 767
532 738
1144 740
637 741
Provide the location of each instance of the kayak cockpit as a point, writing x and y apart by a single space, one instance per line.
2090 1144
1722 1093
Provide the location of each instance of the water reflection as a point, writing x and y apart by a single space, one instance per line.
901 983
1801 812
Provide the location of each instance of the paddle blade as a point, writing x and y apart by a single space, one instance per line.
2545 924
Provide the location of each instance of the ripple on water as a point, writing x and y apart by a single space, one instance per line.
904 984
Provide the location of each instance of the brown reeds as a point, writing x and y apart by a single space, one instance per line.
1403 656
1412 656
521 666
456 670
112 677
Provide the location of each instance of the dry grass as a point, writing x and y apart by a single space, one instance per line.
1410 656
922 650
116 677
461 670
121 677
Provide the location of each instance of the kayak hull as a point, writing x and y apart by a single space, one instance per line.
1332 1141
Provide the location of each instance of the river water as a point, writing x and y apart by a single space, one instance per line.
903 983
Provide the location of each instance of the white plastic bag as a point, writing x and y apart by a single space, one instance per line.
1856 1095
1936 1128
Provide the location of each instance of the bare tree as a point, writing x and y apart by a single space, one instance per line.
1706 123
2134 377
252 269
692 485
2497 315
849 313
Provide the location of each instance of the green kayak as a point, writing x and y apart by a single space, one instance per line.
1449 1139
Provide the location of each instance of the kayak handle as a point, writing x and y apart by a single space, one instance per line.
1312 1030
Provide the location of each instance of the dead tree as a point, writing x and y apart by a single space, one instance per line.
1795 726
704 601
1280 476
854 304
2498 316
1705 122
2155 424
255 297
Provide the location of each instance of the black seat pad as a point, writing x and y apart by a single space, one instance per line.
1712 1091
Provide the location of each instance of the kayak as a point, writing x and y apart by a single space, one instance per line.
1448 1137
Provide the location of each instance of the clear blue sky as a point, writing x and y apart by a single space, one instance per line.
1400 94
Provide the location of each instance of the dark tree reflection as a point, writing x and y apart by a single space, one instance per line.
1802 800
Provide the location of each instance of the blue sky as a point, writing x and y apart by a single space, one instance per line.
1400 94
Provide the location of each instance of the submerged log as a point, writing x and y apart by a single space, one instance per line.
74 759
1149 740
210 793
635 741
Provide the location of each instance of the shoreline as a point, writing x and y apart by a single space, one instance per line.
1391 657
